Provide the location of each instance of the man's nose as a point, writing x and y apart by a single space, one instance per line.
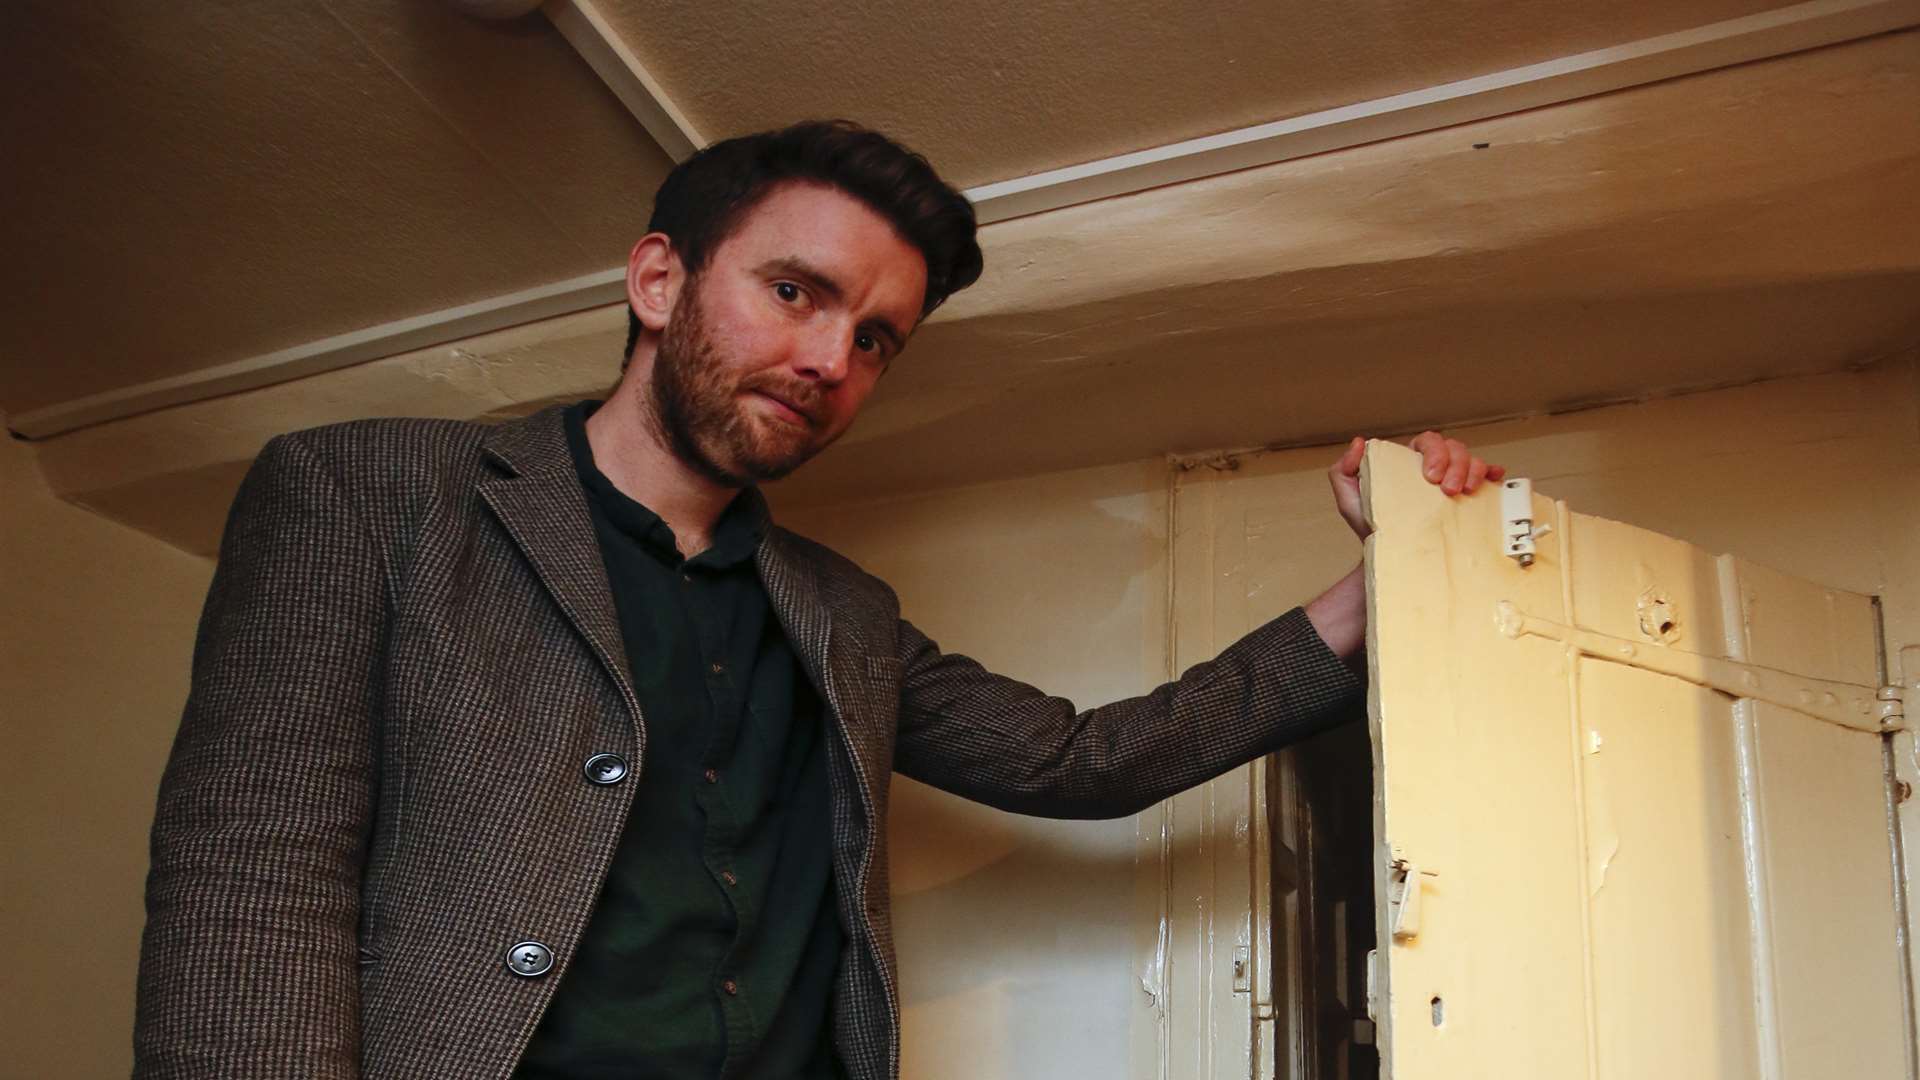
823 355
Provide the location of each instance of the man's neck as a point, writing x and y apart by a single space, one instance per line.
631 453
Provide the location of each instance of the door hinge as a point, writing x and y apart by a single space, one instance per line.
1860 706
1373 985
1518 530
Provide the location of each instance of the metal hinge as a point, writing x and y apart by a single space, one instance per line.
1892 710
1373 985
1518 530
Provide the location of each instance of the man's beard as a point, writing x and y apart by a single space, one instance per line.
695 405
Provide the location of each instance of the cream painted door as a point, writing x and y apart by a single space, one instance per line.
1632 809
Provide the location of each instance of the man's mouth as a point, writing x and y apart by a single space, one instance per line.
787 409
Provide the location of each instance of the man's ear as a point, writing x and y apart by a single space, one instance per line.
654 277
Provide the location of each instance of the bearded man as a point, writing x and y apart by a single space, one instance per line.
538 750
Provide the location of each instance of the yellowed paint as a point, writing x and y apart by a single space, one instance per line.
1628 873
1471 762
93 672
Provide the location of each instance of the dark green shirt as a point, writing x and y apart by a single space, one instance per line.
714 944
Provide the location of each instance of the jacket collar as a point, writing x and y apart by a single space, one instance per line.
531 445
537 496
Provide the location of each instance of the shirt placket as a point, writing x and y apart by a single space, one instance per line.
706 606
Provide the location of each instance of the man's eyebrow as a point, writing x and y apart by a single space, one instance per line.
796 267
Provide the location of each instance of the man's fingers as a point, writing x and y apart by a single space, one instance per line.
1349 463
1433 452
1476 474
1457 460
1448 463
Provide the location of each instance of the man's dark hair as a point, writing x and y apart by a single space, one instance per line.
706 196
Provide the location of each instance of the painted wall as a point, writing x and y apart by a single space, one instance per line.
1021 940
1016 955
98 633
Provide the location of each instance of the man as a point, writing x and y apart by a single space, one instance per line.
538 750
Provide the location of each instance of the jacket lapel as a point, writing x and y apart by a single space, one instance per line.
829 651
794 590
538 498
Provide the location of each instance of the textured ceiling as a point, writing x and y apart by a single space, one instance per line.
1745 223
995 89
191 184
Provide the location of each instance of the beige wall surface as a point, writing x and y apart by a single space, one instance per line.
1020 939
99 630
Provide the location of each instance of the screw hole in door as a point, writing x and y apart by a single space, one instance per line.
1439 1011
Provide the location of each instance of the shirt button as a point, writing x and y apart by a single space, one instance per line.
606 768
713 776
727 876
732 988
687 578
530 959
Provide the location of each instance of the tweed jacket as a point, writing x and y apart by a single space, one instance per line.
409 650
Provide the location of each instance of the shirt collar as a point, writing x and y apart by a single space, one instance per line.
736 535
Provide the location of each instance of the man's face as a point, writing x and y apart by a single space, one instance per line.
773 346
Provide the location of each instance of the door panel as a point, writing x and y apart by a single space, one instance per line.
1822 821
1639 578
1621 873
1672 971
1477 791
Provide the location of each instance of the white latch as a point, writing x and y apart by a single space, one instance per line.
1403 898
1518 531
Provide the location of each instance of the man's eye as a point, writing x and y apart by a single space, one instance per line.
866 343
786 290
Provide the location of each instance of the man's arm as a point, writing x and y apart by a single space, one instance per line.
248 964
1001 742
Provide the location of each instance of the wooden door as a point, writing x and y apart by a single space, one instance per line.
1632 805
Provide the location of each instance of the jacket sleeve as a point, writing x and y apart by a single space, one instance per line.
248 963
1001 742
